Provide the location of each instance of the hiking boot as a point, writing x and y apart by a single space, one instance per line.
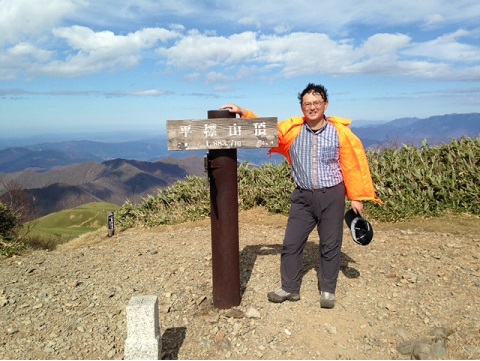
280 295
327 299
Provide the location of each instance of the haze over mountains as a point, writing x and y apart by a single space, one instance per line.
65 174
16 156
412 131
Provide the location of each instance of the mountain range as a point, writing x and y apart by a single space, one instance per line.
43 156
113 181
435 130
65 174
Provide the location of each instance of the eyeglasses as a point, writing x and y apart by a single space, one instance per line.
316 104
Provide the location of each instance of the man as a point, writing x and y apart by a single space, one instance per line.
328 162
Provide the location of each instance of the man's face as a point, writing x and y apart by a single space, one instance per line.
313 107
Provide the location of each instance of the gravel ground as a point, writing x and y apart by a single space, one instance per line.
414 292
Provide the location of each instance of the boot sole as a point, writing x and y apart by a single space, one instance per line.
278 299
327 303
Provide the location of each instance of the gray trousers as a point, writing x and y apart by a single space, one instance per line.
322 208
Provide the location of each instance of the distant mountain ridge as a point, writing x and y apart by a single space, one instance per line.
47 155
435 130
113 181
23 159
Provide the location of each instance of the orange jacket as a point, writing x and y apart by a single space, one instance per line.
353 160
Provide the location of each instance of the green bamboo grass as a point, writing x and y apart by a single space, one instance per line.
412 181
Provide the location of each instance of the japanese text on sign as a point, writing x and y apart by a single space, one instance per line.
222 133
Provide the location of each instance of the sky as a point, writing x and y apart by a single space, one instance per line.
76 66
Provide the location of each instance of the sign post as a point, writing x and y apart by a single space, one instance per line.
222 173
222 133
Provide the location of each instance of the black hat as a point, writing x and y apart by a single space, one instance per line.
362 231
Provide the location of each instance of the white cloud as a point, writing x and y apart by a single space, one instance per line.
199 51
249 20
447 48
304 54
93 52
294 54
22 19
85 39
434 19
289 39
333 17
385 44
20 59
215 78
151 93
26 50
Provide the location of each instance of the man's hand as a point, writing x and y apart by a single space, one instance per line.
233 108
357 207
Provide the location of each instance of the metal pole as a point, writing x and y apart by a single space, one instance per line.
222 171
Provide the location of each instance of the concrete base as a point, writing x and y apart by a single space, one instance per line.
143 329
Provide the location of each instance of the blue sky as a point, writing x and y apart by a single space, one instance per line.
70 66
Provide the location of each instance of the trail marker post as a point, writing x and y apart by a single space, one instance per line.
222 134
110 224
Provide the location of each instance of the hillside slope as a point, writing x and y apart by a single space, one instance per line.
414 279
112 181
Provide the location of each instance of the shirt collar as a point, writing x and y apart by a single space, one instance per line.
307 126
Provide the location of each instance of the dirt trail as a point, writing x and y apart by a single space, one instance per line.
414 278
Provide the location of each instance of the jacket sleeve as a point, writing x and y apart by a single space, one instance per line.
288 130
249 115
355 169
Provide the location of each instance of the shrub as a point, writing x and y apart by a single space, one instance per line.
8 222
8 227
183 201
412 181
426 181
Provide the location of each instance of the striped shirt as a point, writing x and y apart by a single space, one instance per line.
316 158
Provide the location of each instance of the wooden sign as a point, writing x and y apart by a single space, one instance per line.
222 133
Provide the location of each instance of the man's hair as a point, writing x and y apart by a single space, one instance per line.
314 89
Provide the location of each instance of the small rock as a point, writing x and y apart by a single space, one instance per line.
406 348
235 313
472 350
11 331
219 337
252 313
222 342
439 350
49 349
331 330
422 351
441 332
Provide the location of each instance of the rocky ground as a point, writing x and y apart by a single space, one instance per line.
413 293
